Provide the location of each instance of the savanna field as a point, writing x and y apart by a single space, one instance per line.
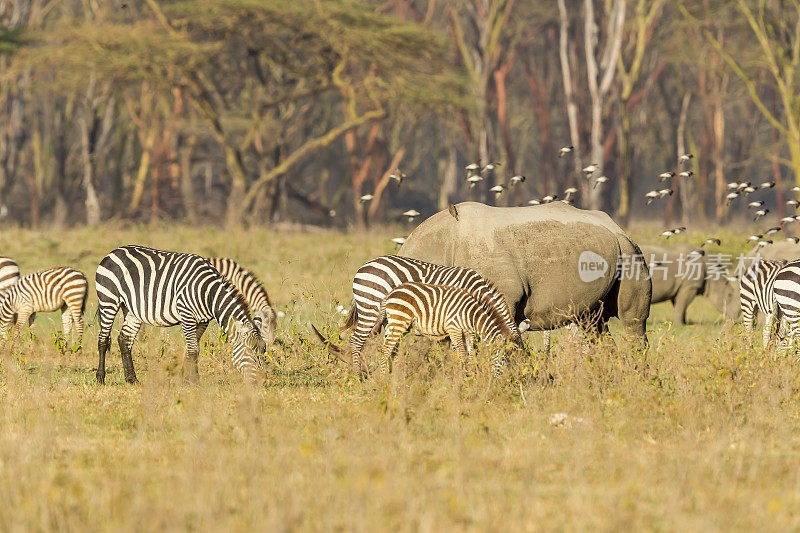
700 432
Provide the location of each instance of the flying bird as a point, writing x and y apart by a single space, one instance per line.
743 185
712 240
773 230
794 240
686 174
497 190
569 192
516 180
549 198
474 180
792 203
564 151
598 181
451 208
755 204
411 214
490 167
733 185
749 189
666 175
398 176
667 234
767 185
760 213
752 238
534 202
787 220
591 169
731 197
795 189
665 192
652 195
366 198
399 241
472 168
685 158
761 244
679 230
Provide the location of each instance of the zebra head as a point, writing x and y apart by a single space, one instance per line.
248 348
265 322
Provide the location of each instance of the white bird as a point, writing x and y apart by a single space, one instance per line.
473 167
685 158
754 237
733 185
749 189
792 203
742 185
686 174
598 181
665 192
366 198
549 198
473 180
399 241
755 204
731 197
760 213
516 180
712 240
679 230
564 151
761 244
411 214
795 189
569 192
767 185
772 230
497 190
794 240
787 220
534 202
651 195
489 167
667 234
666 175
591 169
398 175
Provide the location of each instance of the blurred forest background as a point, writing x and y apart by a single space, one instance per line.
255 111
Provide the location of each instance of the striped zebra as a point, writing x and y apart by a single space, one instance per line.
60 288
166 289
9 273
264 316
376 278
786 291
756 293
444 310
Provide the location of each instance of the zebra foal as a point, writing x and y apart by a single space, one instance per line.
166 289
378 277
443 310
756 293
9 273
254 293
60 288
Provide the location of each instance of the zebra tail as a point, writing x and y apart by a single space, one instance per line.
350 321
333 349
83 303
381 317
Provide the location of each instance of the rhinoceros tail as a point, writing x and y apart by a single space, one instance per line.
350 321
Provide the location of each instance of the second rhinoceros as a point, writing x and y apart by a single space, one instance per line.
680 273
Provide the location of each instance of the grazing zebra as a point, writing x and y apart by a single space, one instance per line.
443 310
264 316
376 278
166 289
9 273
756 293
786 295
60 288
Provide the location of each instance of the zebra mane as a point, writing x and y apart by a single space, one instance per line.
493 312
236 294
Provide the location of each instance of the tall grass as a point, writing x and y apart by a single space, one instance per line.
700 432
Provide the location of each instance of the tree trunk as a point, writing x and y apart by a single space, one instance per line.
687 189
92 203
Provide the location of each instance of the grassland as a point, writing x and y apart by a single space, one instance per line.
700 433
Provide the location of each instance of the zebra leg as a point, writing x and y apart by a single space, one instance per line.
77 323
199 329
107 315
190 361
748 314
66 327
390 340
23 316
127 334
357 339
769 327
469 344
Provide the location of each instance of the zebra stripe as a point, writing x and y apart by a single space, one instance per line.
786 292
254 293
54 289
378 277
443 310
9 273
166 289
756 293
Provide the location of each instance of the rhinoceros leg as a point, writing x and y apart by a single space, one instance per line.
681 303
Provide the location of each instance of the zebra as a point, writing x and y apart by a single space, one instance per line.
443 310
166 289
756 293
254 293
786 297
60 288
376 278
9 273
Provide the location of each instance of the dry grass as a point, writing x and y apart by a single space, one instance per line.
702 432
